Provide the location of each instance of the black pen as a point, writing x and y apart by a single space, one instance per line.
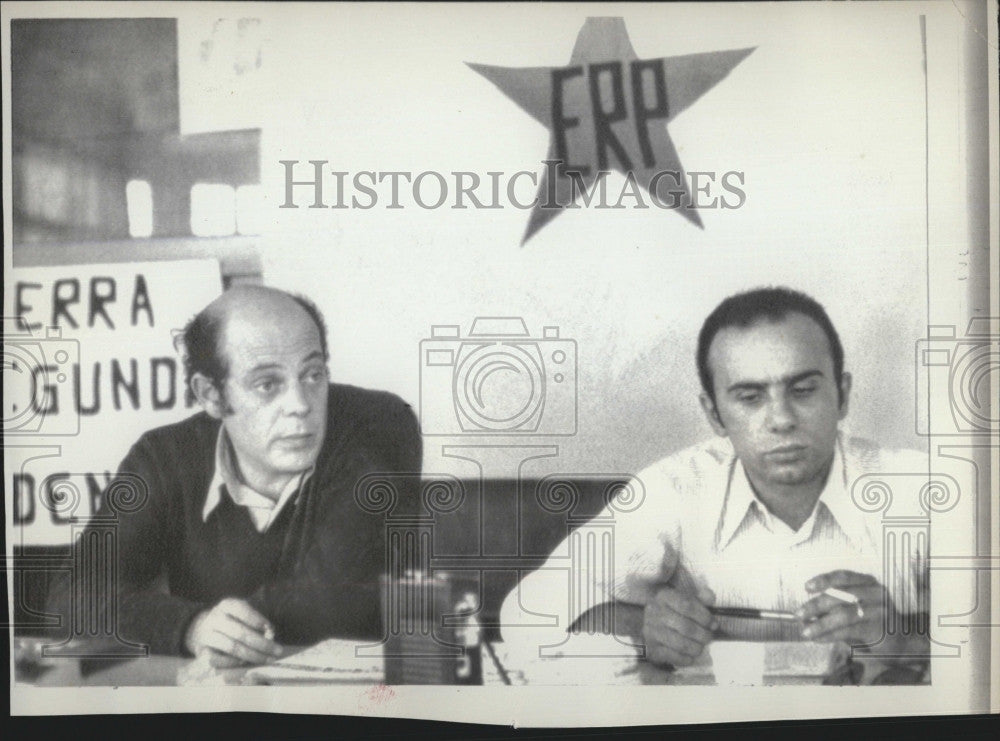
755 614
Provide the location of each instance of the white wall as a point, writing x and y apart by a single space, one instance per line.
826 119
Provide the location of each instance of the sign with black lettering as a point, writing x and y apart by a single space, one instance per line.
89 365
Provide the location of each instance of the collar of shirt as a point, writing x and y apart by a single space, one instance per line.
741 502
262 510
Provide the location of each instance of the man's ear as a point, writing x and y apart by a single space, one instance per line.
845 393
207 395
712 413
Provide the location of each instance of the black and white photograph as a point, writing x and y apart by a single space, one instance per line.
529 364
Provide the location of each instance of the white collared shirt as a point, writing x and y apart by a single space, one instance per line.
263 510
699 502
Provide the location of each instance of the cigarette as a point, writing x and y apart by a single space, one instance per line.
841 595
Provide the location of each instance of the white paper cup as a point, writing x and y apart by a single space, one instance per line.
738 663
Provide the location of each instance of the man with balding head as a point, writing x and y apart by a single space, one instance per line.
249 510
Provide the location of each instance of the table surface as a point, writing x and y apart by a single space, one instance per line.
168 671
575 667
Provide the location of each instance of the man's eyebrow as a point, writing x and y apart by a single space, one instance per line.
787 381
747 386
314 355
792 380
264 367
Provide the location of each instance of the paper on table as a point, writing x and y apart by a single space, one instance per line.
738 662
604 660
583 660
332 660
200 672
780 658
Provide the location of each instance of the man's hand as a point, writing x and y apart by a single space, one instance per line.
677 625
863 624
232 633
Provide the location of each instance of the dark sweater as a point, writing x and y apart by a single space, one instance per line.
314 572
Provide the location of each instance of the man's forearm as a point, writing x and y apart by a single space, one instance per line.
156 619
618 618
146 617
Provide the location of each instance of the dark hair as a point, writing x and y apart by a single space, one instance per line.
203 354
773 304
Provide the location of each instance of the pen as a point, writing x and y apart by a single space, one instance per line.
750 612
755 614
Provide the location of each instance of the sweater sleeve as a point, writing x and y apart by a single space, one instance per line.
334 589
128 537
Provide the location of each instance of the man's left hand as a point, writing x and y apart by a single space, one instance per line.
828 618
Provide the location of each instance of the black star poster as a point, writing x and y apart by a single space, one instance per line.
604 57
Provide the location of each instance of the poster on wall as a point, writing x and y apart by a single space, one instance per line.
593 347
89 358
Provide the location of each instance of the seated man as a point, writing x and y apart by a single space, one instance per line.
760 517
247 509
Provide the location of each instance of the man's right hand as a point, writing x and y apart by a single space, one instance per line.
232 633
677 625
